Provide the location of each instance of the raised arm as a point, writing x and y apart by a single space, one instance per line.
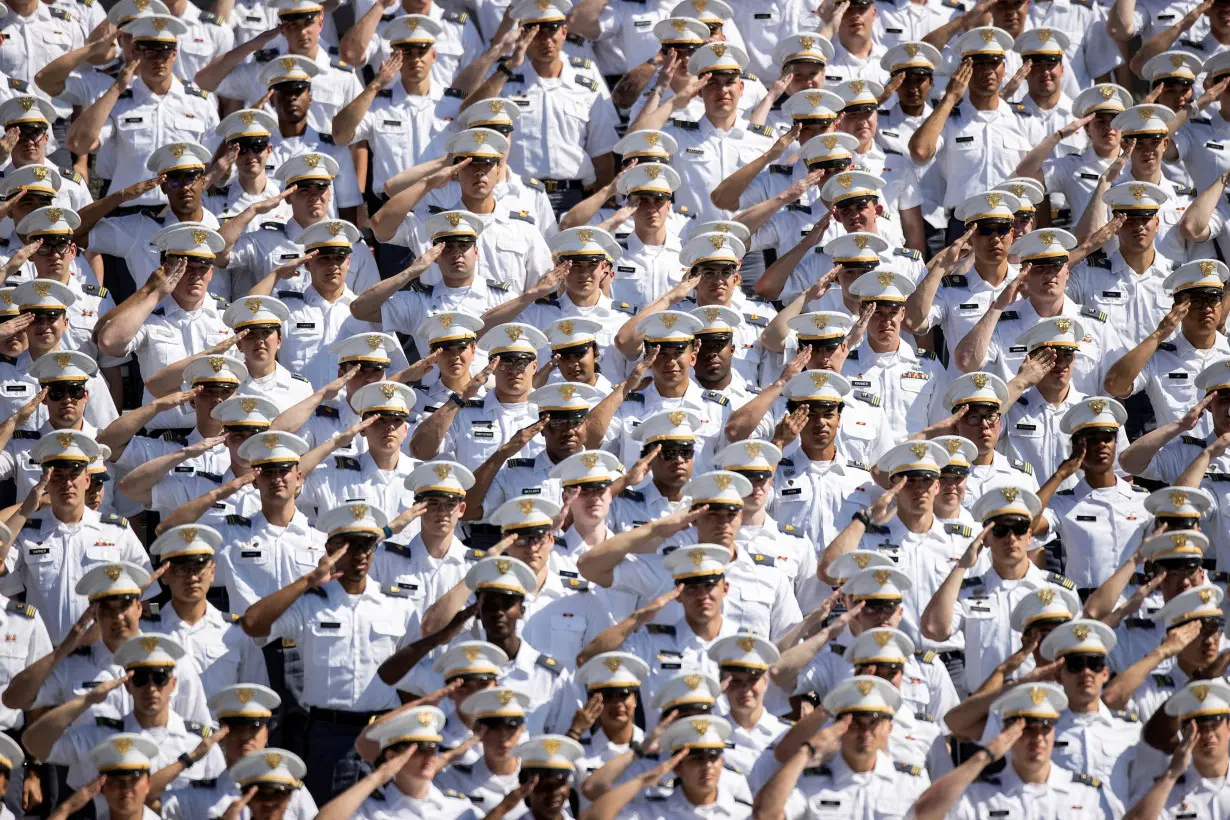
1194 226
918 304
971 352
1152 802
880 511
629 339
194 509
935 622
52 77
43 733
346 122
1031 164
259 618
1119 691
943 793
1166 38
212 75
171 378
598 564
924 143
429 435
486 472
139 484
366 306
118 433
118 326
760 213
1194 473
84 131
1122 374
1137 457
353 46
609 640
729 191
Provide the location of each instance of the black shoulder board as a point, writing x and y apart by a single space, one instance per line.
456 17
1167 346
624 307
1066 492
114 520
684 125
421 287
455 92
519 462
1201 120
548 663
18 608
299 377
398 549
868 397
345 463
1138 623
341 65
95 290
327 412
238 521
1198 442
549 301
853 354
494 285
60 13
760 559
1163 680
781 169
637 397
175 437
1094 313
1009 316
199 729
579 62
327 139
126 94
1098 260
825 771
210 17
967 583
908 253
963 530
387 93
18 85
1024 467
660 629
586 82
1130 717
906 768
632 495
273 226
955 280
1088 780
531 182
1192 44
265 55
215 190
1061 580
289 294
475 555
29 435
204 784
790 529
115 724
762 130
856 464
393 591
576 584
925 655
716 396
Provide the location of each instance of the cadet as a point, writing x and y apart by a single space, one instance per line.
248 131
223 654
453 337
33 122
171 316
985 396
861 780
1030 781
575 343
743 663
981 594
378 475
264 318
24 623
649 264
498 716
275 779
54 551
661 492
245 711
148 110
152 665
587 478
125 760
331 602
616 678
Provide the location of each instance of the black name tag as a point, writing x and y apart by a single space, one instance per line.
793 491
330 624
1086 518
250 553
961 140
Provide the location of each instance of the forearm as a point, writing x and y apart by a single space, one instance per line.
1121 21
346 804
1150 806
403 660
1031 164
655 113
846 541
1194 226
793 660
297 415
585 210
346 122
1119 691
609 805
726 195
775 335
770 801
366 306
403 179
935 623
1195 471
23 689
760 213
771 282
942 794
429 435
483 477
439 614
119 326
629 338
472 74
41 735
1122 374
139 484
918 304
83 133
384 223
233 228
599 418
742 423
118 433
212 75
191 511
171 377
609 639
1136 458
601 780
926 138
1163 41
53 76
968 719
1102 600
971 352
1094 216
510 310
259 618
353 48
493 86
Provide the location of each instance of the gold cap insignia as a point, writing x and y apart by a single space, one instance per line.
845 181
248 404
244 695
612 665
987 36
159 24
55 214
919 449
273 760
1207 267
717 242
40 173
864 687
652 171
1009 493
1044 34
1081 632
697 557
820 321
453 219
424 719
113 573
692 681
668 321
479 139
526 506
676 417
1200 692
389 390
979 380
652 138
813 99
861 242
806 43
1176 60
122 745
953 446
882 576
503 565
1063 325
253 305
441 471
287 63
719 50
216 363
63 359
188 534
199 237
590 460
1046 238
335 228
712 314
65 440
885 279
513 333
1037 695
911 50
359 511
994 200
857 86
566 327
679 25
1137 191
149 644
1178 498
585 234
722 481
862 561
830 141
247 117
178 149
753 450
42 288
819 379
1046 596
882 639
272 441
1097 405
471 653
312 160
505 698
1205 595
747 644
567 391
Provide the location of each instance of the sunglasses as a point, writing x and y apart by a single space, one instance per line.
338 254
144 677
190 566
252 145
36 201
1079 663
292 89
185 179
880 606
615 693
450 347
994 229
219 390
515 363
565 424
46 316
677 453
1018 527
312 187
60 392
457 245
502 722
888 669
32 132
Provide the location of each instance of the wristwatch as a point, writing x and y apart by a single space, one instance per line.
505 70
187 760
862 517
457 400
636 749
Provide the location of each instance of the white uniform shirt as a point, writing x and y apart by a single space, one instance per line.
392 803
208 38
399 126
210 798
348 479
258 558
1031 433
478 431
909 385
455 46
30 43
333 89
314 325
406 310
708 155
258 252
835 792
810 493
223 653
1133 302
228 201
1062 797
25 642
977 150
1169 378
1100 528
345 189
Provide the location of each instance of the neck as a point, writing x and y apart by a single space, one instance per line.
945 511
548 69
1200 338
815 452
437 546
147 721
330 290
354 586
669 493
1053 392
293 129
189 304
1138 261
207 427
621 735
24 7
722 121
510 644
259 370
985 459
479 205
62 278
69 515
991 272
705 630
1033 773
1212 767
913 109
856 44
698 796
584 300
413 787
456 384
860 763
135 814
1046 101
58 424
416 88
1013 571
650 236
190 611
1154 176
890 347
158 85
984 102
719 383
506 396
503 764
592 532
916 520
37 349
195 215
1047 305
748 718
254 183
754 517
1083 706
279 513
1098 480
385 459
671 391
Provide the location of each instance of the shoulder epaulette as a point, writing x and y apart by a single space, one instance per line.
238 521
963 530
1138 623
856 464
762 560
1199 442
519 462
908 253
189 88
149 612
632 495
1024 466
1061 580
756 319
398 549
114 520
126 94
579 62
521 216
716 396
781 169
1163 680
531 182
198 729
660 629
18 85
549 301
94 290
954 280
969 583
289 294
624 307
1069 491
587 82
420 286
867 397
1097 259
71 174
636 397
341 65
906 768
1087 779
18 608
474 403
762 130
1094 313
203 784
1130 717
1169 347
453 793
825 771
494 285
327 412
475 555
790 529
174 437
210 17
299 377
27 435
575 584
456 93
60 14
345 463
925 655
1192 44
684 125
386 93
326 139
394 591
456 16
220 302
548 663
115 724
265 55
273 226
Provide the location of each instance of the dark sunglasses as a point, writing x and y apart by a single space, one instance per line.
451 346
312 186
219 389
880 606
677 453
993 229
325 253
47 316
292 89
32 132
1079 663
616 693
1017 527
502 722
252 145
60 392
457 244
888 669
143 677
515 362
157 49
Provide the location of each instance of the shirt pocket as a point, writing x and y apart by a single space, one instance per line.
384 637
136 130
218 660
56 40
196 46
914 381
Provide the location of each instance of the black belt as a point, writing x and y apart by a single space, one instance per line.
553 185
345 718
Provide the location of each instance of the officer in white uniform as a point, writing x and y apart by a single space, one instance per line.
277 775
33 118
34 38
223 654
982 424
1207 704
617 678
250 131
42 185
675 431
265 320
743 662
125 755
25 623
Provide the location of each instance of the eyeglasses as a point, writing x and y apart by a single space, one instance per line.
723 272
880 606
189 567
885 670
1079 663
851 205
457 245
1039 726
60 392
1211 626
1204 300
218 389
184 179
579 352
144 677
54 247
123 780
993 229
157 49
1017 527
677 453
32 132
252 145
982 419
